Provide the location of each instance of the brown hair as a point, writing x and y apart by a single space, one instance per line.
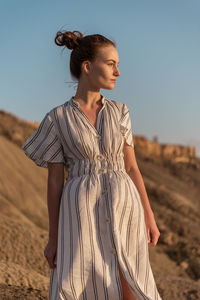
83 47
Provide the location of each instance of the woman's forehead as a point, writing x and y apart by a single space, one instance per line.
108 53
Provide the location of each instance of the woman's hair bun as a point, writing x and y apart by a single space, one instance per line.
70 39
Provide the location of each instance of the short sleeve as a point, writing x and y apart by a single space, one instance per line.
44 145
125 125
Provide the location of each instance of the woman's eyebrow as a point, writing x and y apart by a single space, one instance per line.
111 60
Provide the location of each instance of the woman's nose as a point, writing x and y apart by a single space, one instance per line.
117 72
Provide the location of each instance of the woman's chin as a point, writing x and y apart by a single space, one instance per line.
110 87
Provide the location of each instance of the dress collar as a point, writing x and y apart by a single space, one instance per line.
76 103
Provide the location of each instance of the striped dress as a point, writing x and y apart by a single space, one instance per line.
101 218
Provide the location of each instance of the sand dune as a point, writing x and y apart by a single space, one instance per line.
173 191
22 184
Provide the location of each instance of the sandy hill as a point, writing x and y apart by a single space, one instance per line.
173 190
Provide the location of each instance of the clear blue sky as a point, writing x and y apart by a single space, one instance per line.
159 51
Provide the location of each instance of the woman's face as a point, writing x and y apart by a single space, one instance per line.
104 71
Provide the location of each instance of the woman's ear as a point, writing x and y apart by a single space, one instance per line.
86 67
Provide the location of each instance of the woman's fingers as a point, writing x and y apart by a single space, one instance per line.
50 260
151 229
148 235
50 254
155 236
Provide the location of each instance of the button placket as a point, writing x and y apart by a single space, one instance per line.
100 157
102 162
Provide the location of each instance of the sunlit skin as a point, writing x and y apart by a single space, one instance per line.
96 75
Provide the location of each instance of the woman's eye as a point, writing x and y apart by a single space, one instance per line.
110 64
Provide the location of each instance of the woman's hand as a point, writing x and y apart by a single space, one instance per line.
152 230
50 252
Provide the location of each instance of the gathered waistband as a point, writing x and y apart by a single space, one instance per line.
100 165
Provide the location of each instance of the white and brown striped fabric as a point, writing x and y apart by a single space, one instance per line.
101 219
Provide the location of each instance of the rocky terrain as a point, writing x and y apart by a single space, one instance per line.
172 180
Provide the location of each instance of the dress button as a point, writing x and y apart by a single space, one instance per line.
107 220
104 192
98 137
100 157
113 251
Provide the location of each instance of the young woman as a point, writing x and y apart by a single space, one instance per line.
100 219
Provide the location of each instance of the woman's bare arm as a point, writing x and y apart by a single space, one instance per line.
54 192
133 171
